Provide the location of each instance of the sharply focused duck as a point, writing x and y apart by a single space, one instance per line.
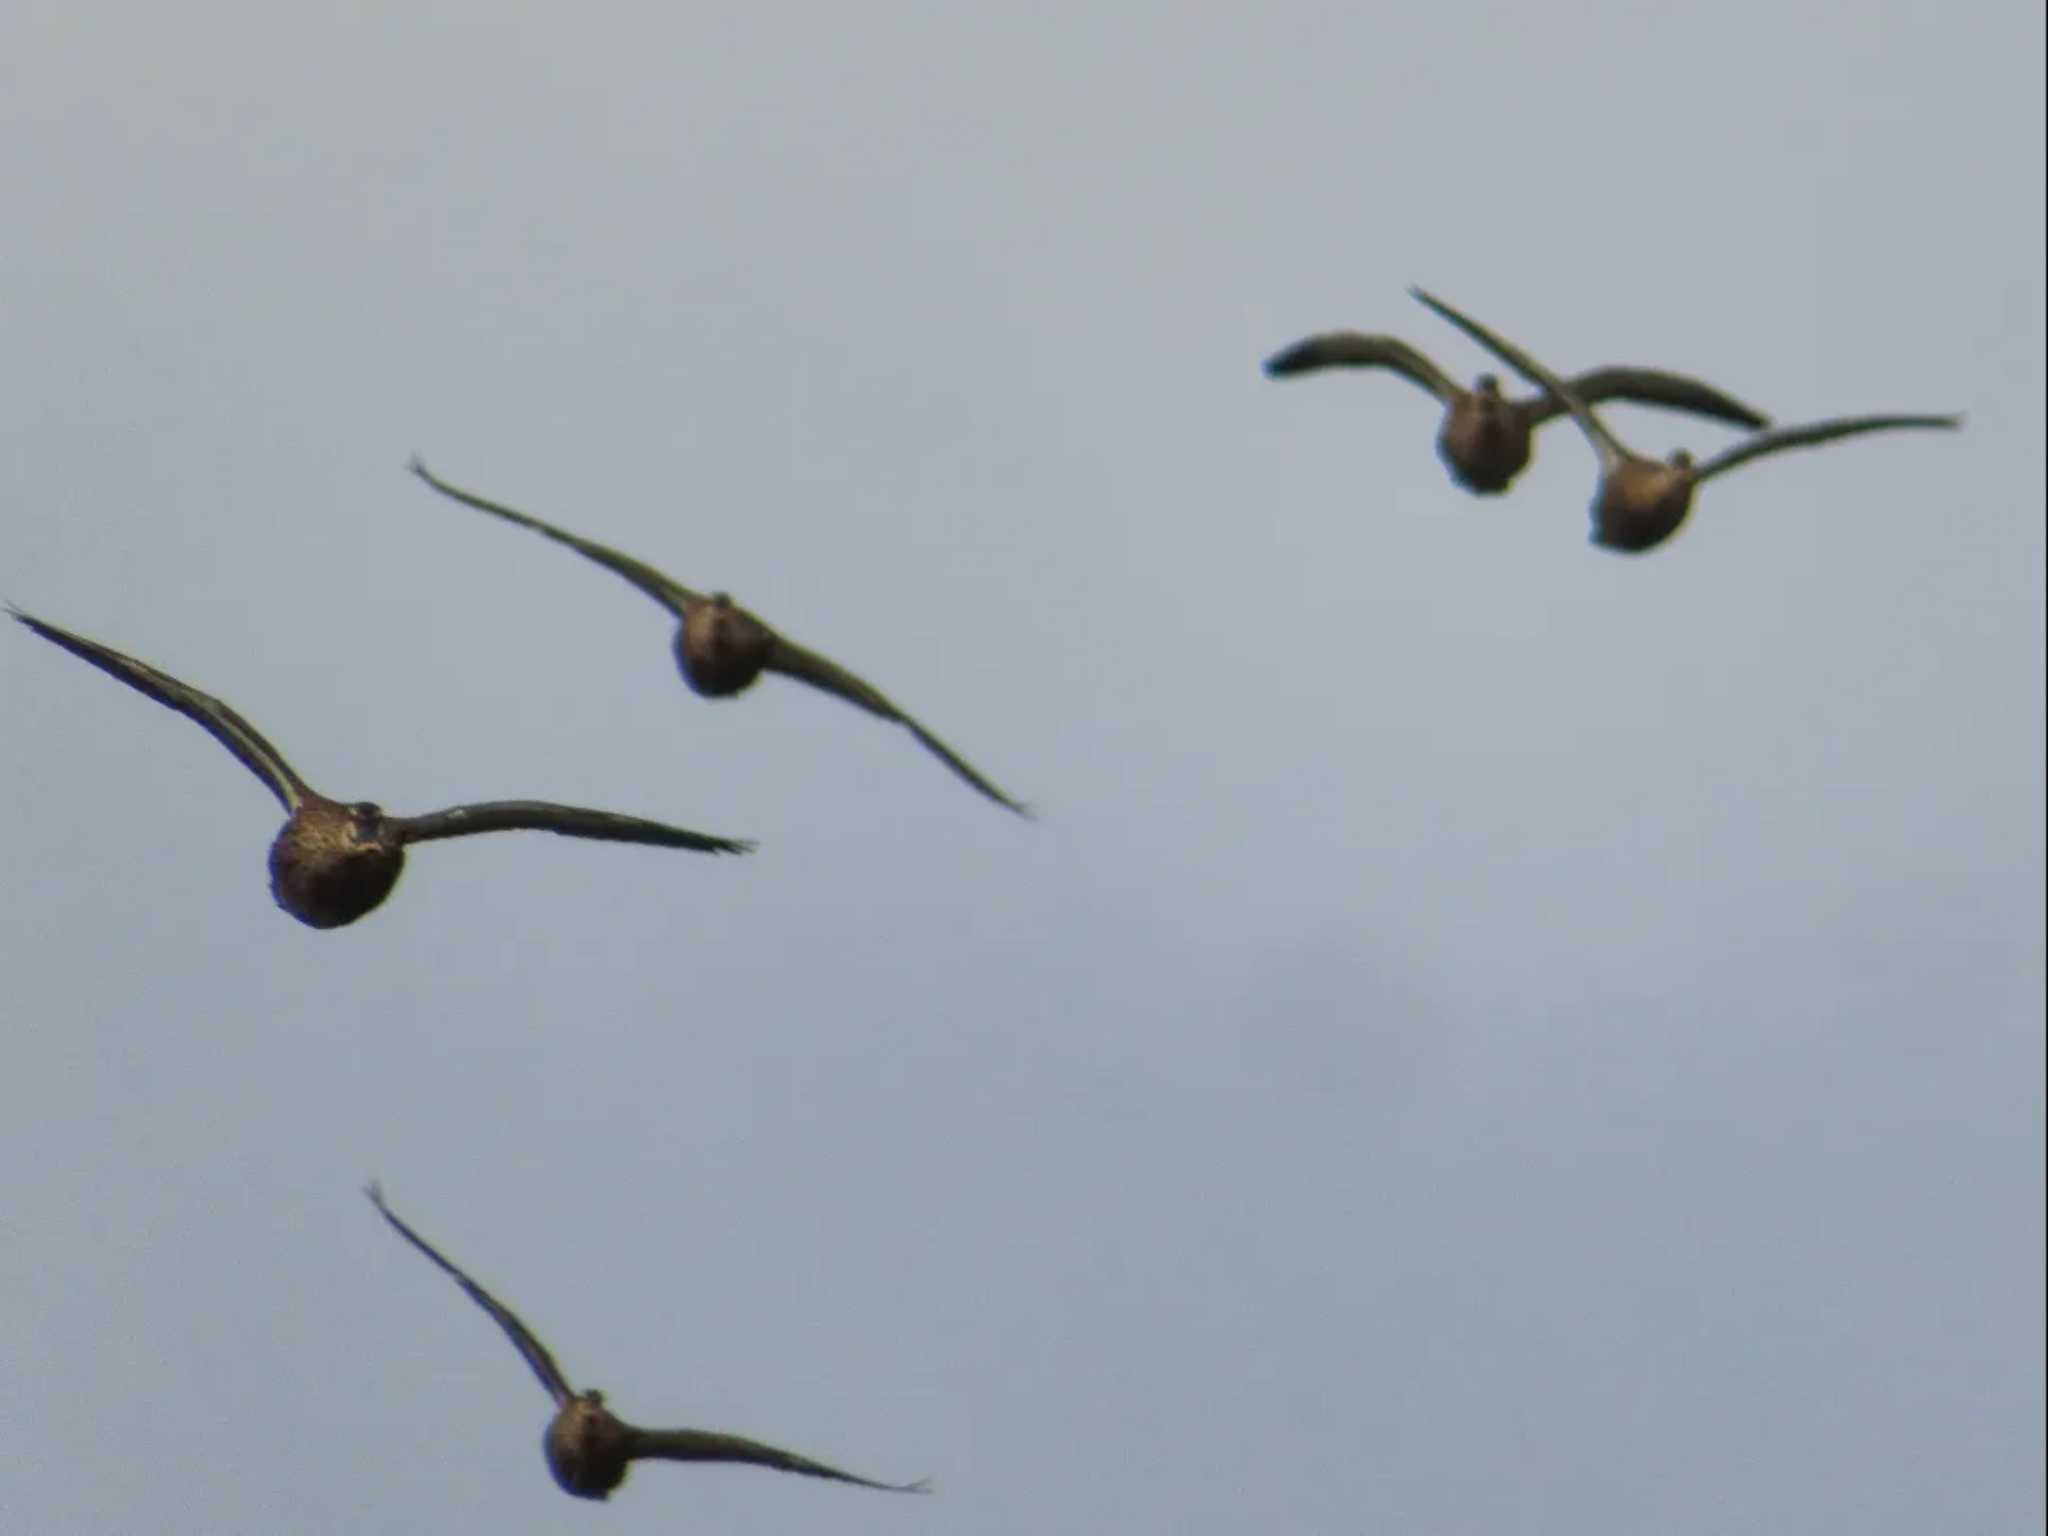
333 862
588 1447
1485 439
720 646
1641 502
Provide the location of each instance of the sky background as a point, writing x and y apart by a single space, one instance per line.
1487 1036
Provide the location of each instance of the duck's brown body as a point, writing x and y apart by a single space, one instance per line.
721 647
333 863
588 1447
1640 504
1485 439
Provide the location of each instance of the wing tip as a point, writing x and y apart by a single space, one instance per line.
1289 361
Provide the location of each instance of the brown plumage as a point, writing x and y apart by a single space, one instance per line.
333 862
588 1447
1486 438
720 646
1641 502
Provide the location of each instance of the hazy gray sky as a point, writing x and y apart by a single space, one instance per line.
1488 1036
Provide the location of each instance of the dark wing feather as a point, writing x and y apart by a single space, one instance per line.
567 820
1605 443
1352 349
793 660
534 1352
1647 386
672 595
1814 433
219 721
706 1445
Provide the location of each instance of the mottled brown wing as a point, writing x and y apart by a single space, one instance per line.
671 594
534 1352
792 660
1605 443
565 820
217 719
1815 433
706 1445
1353 349
1647 386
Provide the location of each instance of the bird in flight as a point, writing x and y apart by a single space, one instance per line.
589 1448
1486 438
334 862
720 646
1640 502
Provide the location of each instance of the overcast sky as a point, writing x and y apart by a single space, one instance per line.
1487 1036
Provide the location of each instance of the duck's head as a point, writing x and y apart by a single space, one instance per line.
366 822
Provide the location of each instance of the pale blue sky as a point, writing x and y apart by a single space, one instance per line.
1488 1036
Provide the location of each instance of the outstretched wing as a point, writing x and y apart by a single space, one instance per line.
705 1445
567 820
1353 349
1647 386
1605 443
672 595
532 1349
1815 433
793 660
220 722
